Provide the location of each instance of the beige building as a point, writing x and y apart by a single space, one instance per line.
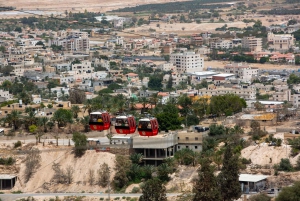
252 43
190 140
248 93
241 70
281 42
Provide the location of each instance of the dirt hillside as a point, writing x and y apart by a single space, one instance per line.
42 179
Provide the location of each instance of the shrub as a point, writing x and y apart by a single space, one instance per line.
260 197
17 144
284 165
7 161
135 190
246 161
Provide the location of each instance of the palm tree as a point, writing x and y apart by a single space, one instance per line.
136 158
30 118
144 102
131 103
14 119
88 106
85 122
154 99
43 122
75 110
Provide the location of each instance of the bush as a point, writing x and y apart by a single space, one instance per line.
17 144
7 161
135 190
284 165
246 161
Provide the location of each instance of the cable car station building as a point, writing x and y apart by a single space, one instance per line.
155 148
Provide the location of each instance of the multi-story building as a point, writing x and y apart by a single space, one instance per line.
282 95
196 40
72 43
84 66
167 67
222 44
252 43
188 62
242 71
281 42
248 93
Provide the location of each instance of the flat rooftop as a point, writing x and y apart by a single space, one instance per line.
224 75
7 176
252 177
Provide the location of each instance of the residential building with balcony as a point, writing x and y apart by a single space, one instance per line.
188 62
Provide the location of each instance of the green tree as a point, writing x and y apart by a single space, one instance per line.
285 165
291 193
206 187
153 190
185 103
122 167
229 176
170 82
62 117
85 122
80 141
136 158
2 49
263 60
163 171
169 119
14 119
43 122
18 29
6 70
77 96
155 83
75 110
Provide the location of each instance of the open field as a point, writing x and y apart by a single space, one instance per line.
76 5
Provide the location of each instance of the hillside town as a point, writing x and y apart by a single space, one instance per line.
125 106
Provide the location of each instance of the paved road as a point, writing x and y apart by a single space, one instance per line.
11 197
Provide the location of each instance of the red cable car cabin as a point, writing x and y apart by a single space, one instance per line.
99 121
148 127
125 124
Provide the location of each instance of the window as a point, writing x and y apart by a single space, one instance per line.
178 138
186 138
196 138
196 147
178 147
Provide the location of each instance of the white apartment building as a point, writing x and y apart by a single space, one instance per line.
248 93
167 67
281 42
222 44
63 67
60 91
78 34
72 44
252 43
84 66
6 94
187 62
242 71
36 99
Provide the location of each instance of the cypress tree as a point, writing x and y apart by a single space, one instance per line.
206 187
229 176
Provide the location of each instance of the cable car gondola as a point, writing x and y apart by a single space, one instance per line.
148 127
125 124
99 121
